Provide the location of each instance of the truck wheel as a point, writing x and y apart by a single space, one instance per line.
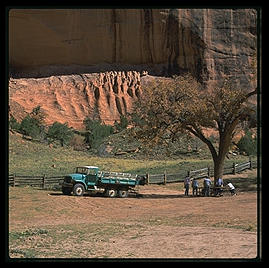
111 193
123 193
66 191
79 189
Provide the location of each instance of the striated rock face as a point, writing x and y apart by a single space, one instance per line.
210 43
71 98
104 51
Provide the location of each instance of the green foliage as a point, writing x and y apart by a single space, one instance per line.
34 158
14 124
60 132
38 114
30 126
247 144
122 124
96 131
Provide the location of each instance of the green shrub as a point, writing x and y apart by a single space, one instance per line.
96 131
13 124
38 114
30 126
60 132
247 144
122 124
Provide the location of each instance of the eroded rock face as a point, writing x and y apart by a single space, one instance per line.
76 63
71 98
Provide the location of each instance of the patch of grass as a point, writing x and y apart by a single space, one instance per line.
33 158
65 241
246 181
191 220
251 228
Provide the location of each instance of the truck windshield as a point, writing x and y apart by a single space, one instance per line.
85 171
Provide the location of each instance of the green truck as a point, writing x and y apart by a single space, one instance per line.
91 179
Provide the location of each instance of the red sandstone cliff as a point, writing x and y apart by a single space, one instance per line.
76 63
70 98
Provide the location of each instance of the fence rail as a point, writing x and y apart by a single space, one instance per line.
35 181
199 173
54 182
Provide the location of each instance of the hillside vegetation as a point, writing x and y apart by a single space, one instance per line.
34 158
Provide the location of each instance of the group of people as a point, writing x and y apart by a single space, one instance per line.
207 184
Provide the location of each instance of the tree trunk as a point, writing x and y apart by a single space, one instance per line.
224 143
225 138
218 168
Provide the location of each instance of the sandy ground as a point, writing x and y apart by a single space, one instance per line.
164 223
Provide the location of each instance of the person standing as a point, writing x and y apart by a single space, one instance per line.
232 188
219 185
207 183
187 182
195 187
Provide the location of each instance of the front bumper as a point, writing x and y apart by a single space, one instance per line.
67 184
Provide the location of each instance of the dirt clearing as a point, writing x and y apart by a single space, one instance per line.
162 223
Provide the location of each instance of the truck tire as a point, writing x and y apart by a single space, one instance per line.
66 191
78 189
111 192
123 193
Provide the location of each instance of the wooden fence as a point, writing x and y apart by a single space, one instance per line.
43 182
46 182
198 174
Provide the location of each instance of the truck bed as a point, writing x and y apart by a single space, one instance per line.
118 174
118 178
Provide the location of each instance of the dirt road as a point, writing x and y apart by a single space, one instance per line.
162 223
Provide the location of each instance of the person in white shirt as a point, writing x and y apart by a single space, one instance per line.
232 188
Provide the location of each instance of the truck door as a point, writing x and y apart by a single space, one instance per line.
91 176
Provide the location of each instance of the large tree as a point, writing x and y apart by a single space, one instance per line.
172 106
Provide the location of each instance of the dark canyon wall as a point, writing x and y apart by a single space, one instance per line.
210 43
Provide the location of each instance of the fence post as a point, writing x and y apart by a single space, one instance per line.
208 171
43 181
164 177
234 168
147 178
250 163
14 176
189 173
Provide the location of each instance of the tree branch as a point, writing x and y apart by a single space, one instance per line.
252 93
198 133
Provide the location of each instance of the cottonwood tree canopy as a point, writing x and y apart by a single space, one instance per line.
169 107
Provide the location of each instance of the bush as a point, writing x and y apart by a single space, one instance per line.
78 143
13 124
96 131
38 114
247 144
60 132
122 124
30 127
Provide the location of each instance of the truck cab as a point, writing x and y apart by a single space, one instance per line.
84 178
89 174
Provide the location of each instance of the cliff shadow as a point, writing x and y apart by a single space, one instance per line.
59 70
